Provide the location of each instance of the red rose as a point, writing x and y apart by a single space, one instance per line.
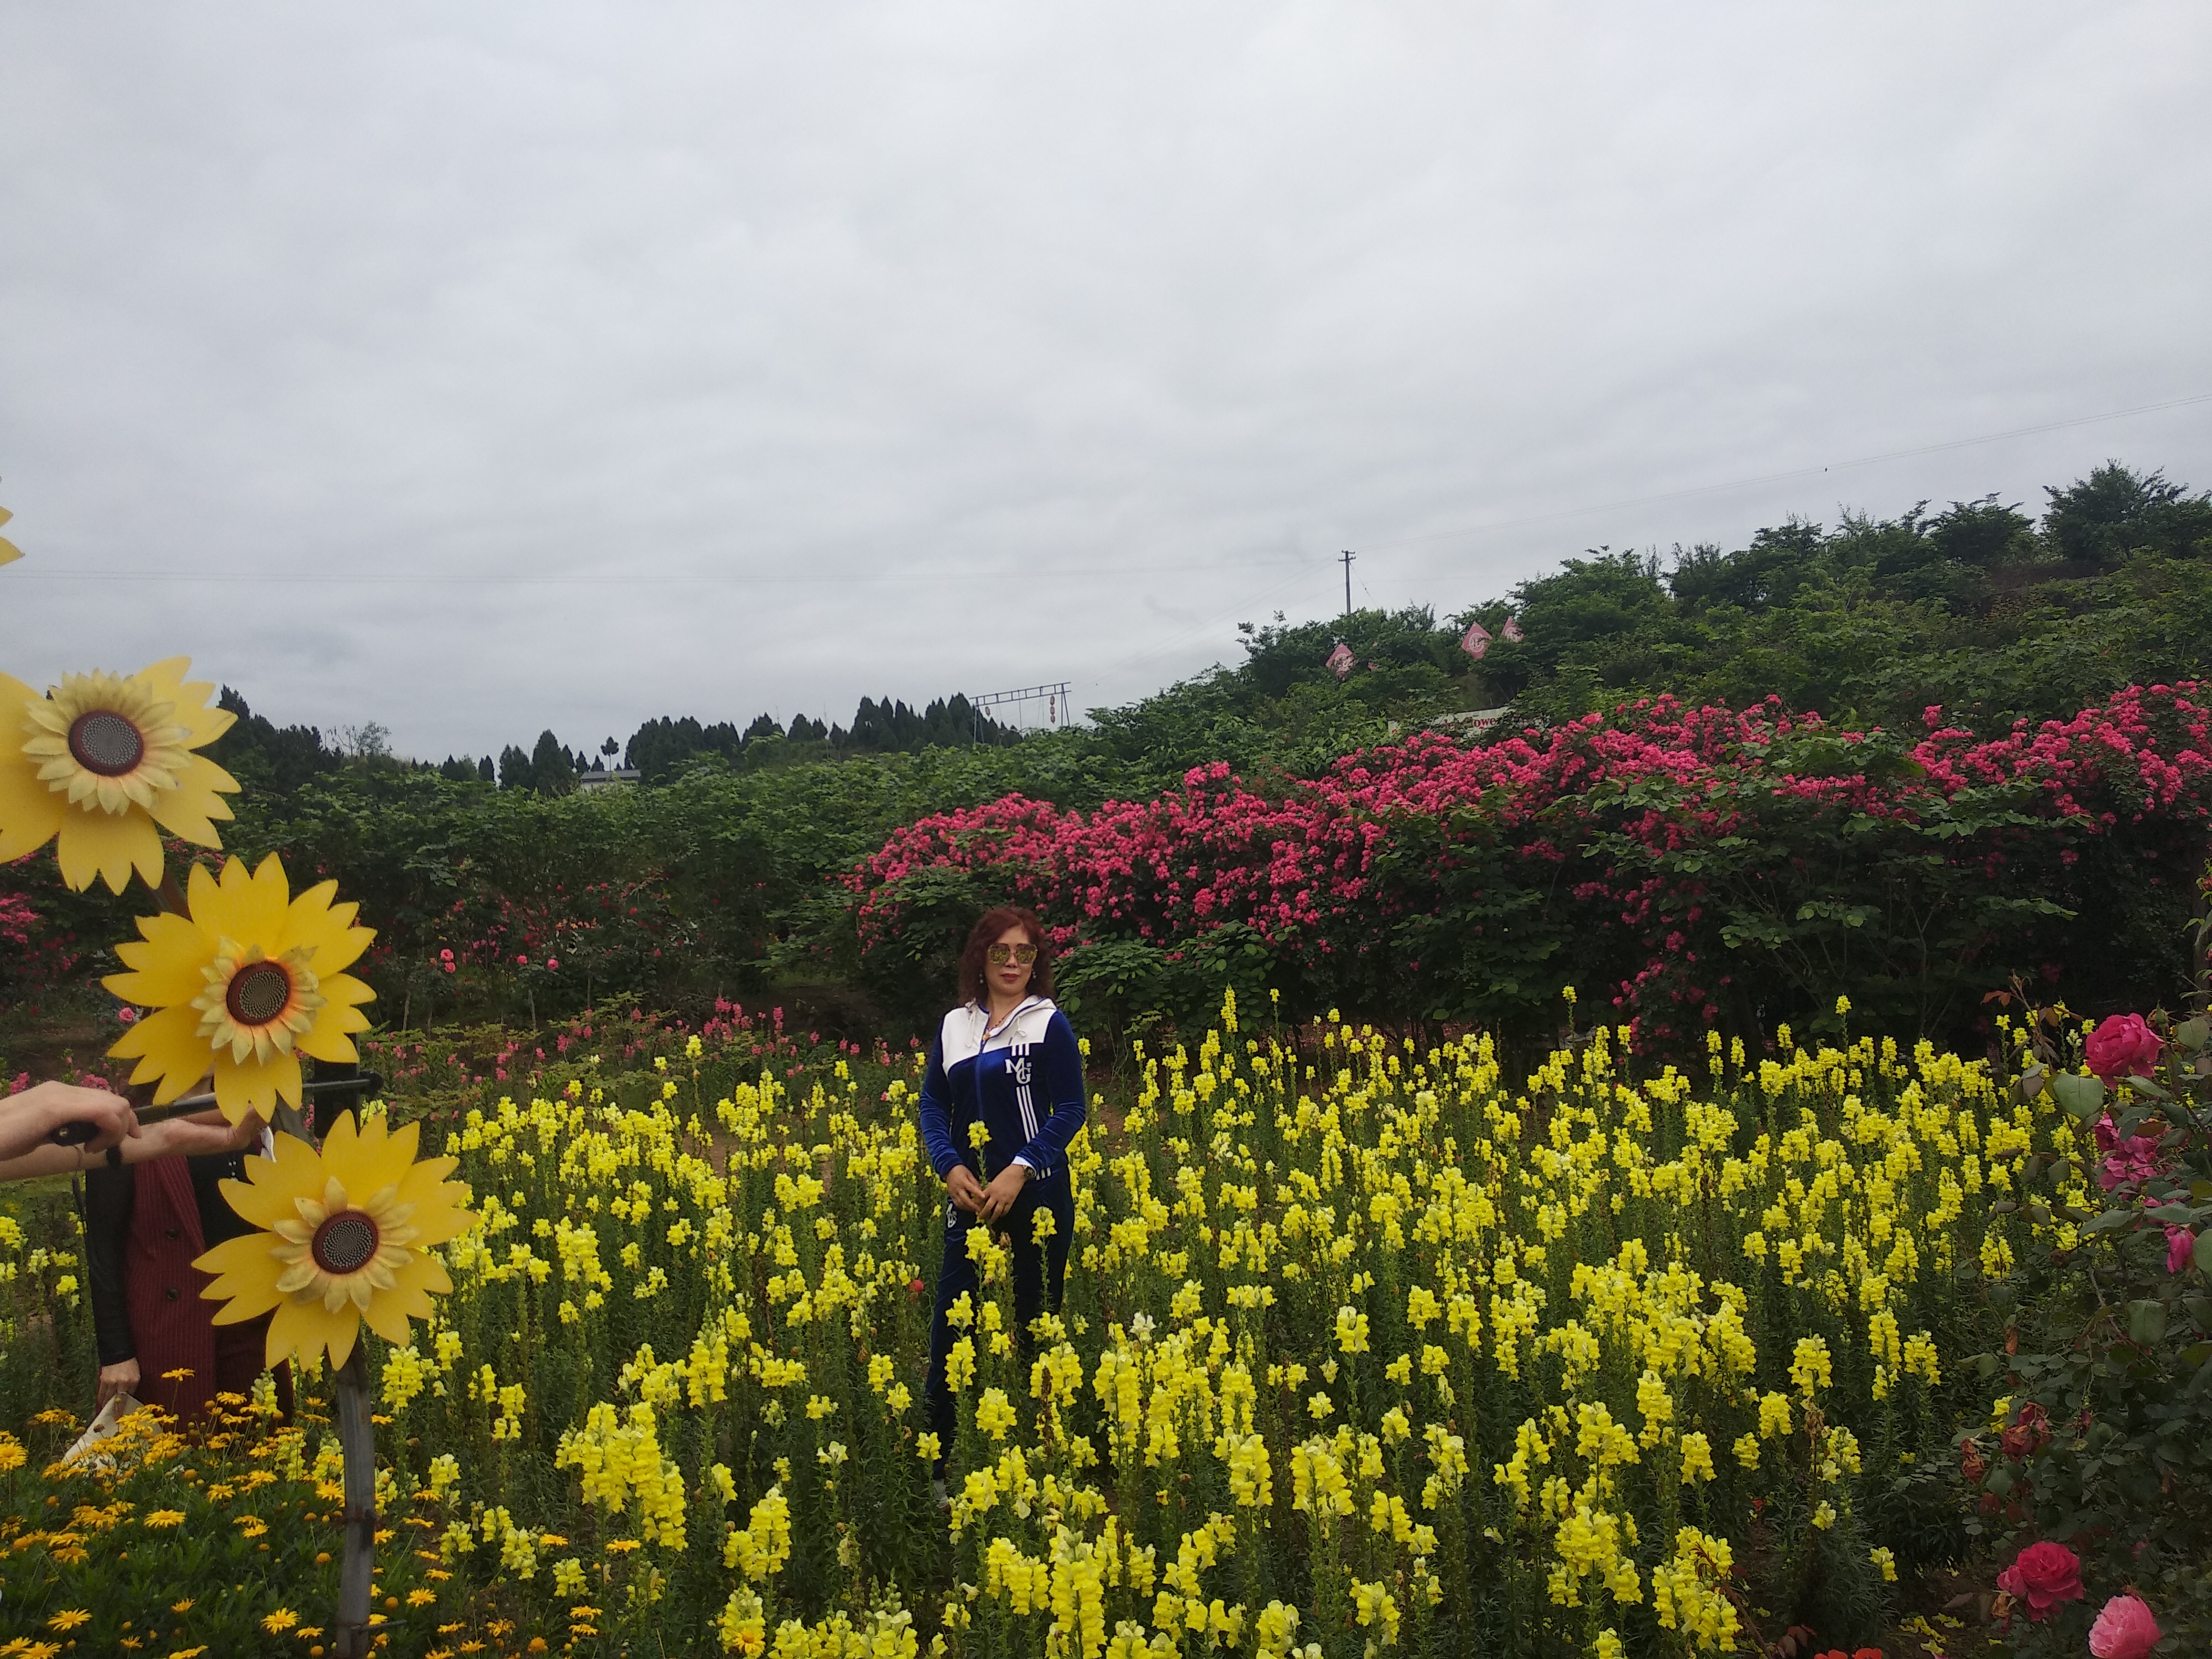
2028 1434
2042 1575
2123 1047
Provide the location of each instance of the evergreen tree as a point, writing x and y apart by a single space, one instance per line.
264 757
2115 511
551 772
515 771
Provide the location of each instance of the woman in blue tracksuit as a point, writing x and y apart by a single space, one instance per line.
1007 1057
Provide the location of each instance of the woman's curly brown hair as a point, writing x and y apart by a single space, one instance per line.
973 987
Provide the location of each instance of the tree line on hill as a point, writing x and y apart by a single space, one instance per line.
265 757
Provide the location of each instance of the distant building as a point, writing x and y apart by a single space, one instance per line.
1471 722
601 777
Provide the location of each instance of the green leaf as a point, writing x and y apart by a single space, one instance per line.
2081 1097
2193 1034
2204 1253
2146 1321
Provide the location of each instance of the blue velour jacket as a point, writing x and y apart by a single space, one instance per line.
1023 1080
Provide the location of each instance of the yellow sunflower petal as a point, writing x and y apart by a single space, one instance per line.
246 1277
426 1275
191 697
306 1325
165 961
190 810
255 1086
109 846
372 1159
247 906
169 1047
325 928
30 813
343 989
387 1312
268 1195
324 1039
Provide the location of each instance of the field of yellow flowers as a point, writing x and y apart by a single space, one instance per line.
1367 1345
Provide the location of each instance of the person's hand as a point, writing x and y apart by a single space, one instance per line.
195 1136
28 1118
963 1189
1006 1186
122 1377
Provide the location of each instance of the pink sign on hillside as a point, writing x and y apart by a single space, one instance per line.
1341 661
1511 630
1476 640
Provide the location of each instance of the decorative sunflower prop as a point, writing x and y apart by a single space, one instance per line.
244 984
346 1235
100 761
8 551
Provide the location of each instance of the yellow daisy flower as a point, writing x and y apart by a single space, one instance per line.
247 982
344 1234
100 761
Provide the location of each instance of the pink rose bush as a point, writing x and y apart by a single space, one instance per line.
1681 858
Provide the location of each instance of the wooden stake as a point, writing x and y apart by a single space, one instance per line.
351 1635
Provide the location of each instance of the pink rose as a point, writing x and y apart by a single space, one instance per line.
2125 1630
2124 1046
2042 1575
2180 1246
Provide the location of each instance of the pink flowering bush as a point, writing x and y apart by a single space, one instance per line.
1694 865
2103 1459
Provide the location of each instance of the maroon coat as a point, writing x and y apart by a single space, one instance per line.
172 1328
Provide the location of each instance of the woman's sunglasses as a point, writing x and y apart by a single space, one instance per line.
1021 954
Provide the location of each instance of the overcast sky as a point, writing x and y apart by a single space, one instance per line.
479 368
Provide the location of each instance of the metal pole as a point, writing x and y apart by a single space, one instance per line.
1347 559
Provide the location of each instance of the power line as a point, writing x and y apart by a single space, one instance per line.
1795 472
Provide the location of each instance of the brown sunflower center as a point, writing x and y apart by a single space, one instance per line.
106 743
258 993
345 1243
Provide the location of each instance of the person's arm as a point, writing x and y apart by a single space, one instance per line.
935 1117
1046 1154
26 1120
109 1195
960 1182
176 1136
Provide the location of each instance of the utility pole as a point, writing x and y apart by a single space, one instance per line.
1345 559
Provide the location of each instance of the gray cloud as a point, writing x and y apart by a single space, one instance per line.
711 358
